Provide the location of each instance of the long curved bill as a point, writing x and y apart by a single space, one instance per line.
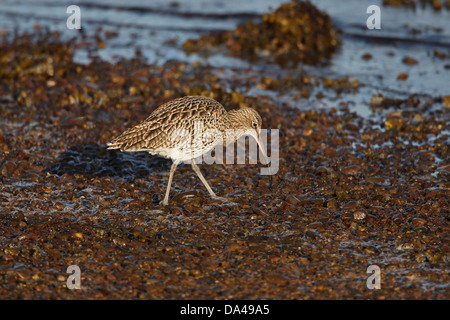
258 141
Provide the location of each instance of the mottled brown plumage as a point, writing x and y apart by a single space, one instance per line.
185 128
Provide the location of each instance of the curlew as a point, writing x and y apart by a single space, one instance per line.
186 128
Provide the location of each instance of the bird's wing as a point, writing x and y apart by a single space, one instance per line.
169 124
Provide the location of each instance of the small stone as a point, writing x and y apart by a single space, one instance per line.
352 170
402 76
376 100
307 131
394 123
329 152
353 226
133 90
409 61
332 204
405 246
313 235
359 215
291 199
8 168
305 93
418 222
234 247
446 101
437 4
420 258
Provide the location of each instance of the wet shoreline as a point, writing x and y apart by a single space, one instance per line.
354 188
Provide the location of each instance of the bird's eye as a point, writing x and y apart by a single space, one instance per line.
254 125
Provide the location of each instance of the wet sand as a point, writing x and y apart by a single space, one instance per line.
363 180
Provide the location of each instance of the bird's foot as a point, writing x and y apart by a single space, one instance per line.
219 198
223 199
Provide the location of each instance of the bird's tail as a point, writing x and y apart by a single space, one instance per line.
132 139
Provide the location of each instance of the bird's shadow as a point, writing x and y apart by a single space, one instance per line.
94 160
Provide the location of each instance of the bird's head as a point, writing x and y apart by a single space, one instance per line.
247 121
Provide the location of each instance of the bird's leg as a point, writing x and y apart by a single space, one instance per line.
199 173
172 171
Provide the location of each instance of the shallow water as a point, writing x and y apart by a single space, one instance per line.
149 27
